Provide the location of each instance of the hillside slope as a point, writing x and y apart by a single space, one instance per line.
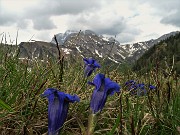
164 55
87 44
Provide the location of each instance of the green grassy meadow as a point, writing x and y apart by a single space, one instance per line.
24 112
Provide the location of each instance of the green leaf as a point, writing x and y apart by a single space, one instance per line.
5 106
115 126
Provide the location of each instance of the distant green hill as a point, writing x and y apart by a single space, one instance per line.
161 56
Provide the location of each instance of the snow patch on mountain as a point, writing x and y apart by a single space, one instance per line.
123 57
100 55
113 60
66 50
88 44
105 38
61 37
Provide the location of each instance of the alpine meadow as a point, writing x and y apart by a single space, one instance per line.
88 96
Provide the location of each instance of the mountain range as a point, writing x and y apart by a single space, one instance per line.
163 56
88 44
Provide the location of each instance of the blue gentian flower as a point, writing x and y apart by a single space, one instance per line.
141 91
133 89
103 88
151 87
136 89
133 86
58 103
130 82
141 85
90 66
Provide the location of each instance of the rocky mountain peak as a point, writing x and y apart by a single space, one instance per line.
89 44
73 34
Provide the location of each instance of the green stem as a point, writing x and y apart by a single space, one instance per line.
91 124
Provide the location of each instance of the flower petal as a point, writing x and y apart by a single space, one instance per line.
55 113
98 80
90 66
49 93
71 98
96 64
111 86
90 83
132 82
91 61
104 87
88 70
151 87
98 100
86 61
58 103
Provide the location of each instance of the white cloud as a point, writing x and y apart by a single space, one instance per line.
131 21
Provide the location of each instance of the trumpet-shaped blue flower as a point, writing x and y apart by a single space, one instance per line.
90 66
58 103
103 88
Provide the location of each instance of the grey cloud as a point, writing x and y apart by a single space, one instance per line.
22 23
128 35
149 36
45 9
6 19
168 10
172 19
111 24
59 7
43 23
125 38
108 25
164 5
44 36
114 28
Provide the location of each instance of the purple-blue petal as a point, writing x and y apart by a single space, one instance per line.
133 87
55 114
151 87
86 61
111 86
58 103
48 92
71 98
96 64
141 85
90 83
98 80
104 87
90 66
98 100
88 70
132 82
91 61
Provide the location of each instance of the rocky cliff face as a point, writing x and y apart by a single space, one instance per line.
88 44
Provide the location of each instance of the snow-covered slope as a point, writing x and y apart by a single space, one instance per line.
88 44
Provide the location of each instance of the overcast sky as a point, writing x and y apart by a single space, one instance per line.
130 20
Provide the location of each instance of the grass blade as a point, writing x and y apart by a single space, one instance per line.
5 106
